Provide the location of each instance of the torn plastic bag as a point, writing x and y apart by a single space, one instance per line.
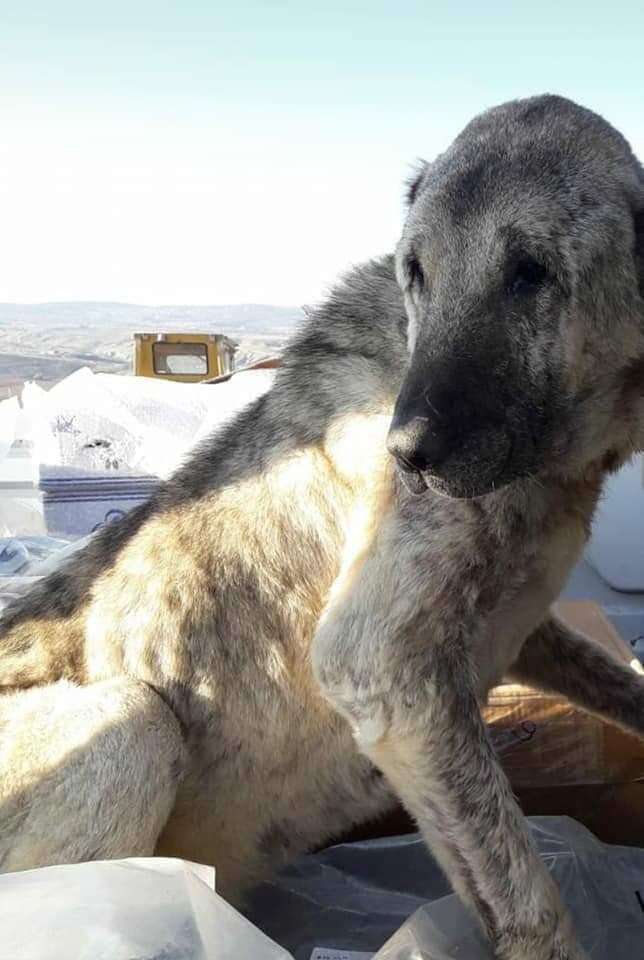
352 897
23 560
135 909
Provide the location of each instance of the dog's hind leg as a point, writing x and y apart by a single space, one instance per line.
556 659
86 773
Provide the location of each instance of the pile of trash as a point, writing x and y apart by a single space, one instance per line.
94 446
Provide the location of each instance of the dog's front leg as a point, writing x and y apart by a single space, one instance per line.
407 686
423 729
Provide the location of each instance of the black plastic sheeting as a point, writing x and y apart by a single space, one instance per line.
358 896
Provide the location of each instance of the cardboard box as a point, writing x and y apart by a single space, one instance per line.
543 741
560 760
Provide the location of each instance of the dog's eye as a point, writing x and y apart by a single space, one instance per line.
526 276
415 272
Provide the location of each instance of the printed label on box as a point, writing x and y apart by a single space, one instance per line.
328 953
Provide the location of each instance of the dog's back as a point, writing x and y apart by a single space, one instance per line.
249 525
210 594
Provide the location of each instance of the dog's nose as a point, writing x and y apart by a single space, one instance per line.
438 409
417 444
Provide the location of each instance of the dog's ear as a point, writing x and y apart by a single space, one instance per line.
415 180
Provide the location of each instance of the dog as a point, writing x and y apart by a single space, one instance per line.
301 626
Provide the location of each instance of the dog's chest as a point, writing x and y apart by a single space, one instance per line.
523 606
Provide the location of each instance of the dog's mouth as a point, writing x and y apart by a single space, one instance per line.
470 475
412 478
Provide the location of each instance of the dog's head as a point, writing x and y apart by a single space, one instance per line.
522 268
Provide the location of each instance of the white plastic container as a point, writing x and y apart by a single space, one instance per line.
616 547
21 506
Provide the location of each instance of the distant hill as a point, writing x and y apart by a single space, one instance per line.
257 317
47 341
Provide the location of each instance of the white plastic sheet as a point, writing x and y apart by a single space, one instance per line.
137 909
105 424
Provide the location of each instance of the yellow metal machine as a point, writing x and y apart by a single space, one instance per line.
186 357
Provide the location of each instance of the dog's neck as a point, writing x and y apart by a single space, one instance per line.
530 507
545 500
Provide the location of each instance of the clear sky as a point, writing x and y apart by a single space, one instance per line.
213 151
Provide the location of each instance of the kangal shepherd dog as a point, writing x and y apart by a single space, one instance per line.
301 625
